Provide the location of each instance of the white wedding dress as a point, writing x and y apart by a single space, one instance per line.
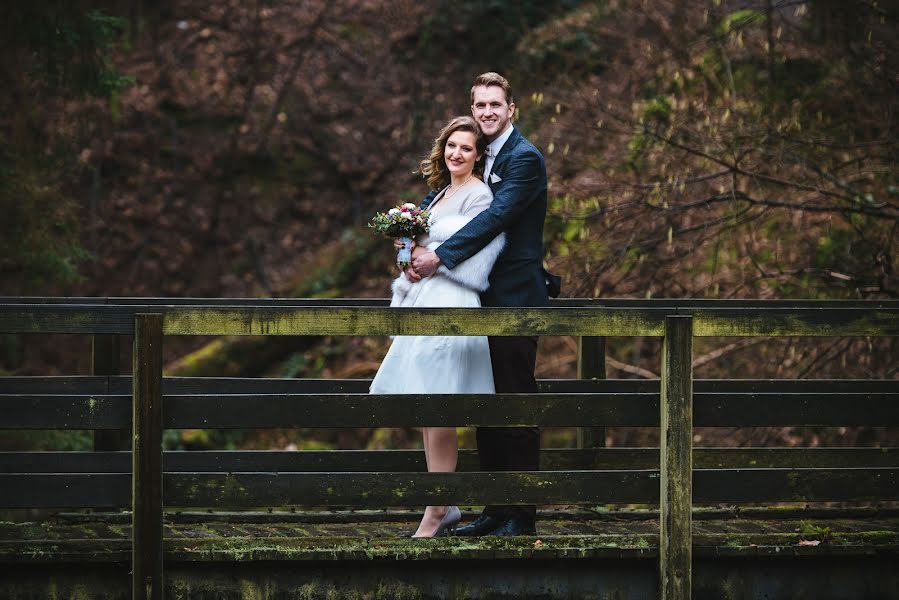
444 364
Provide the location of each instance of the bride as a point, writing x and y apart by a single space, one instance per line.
445 364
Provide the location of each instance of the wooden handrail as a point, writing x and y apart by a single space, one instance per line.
626 320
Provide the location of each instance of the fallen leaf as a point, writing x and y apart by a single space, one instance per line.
809 542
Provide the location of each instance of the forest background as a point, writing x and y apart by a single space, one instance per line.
695 149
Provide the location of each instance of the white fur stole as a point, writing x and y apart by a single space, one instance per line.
473 273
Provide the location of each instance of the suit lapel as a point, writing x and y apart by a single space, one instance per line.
504 153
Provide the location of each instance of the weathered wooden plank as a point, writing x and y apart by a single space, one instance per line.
27 411
81 490
67 384
803 458
770 409
595 320
240 385
81 384
64 318
676 460
795 386
423 321
52 300
830 322
362 410
591 364
554 459
229 411
380 490
795 485
408 489
146 455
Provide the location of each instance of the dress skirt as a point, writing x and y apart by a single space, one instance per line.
436 364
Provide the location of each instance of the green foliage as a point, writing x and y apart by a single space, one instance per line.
68 44
741 19
39 234
55 50
45 440
818 532
564 47
483 28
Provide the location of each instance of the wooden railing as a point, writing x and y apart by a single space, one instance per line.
675 475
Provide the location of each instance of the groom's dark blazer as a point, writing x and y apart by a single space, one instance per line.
518 182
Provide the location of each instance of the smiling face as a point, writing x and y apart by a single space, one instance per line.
460 154
491 110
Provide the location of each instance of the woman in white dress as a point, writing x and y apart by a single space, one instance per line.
445 364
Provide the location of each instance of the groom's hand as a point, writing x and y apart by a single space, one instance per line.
426 264
411 275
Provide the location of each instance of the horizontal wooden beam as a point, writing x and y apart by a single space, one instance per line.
794 485
121 384
781 322
381 490
66 318
65 490
258 411
362 410
595 320
781 409
420 321
553 459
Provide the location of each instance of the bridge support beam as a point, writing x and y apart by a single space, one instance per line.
676 460
146 456
591 364
105 361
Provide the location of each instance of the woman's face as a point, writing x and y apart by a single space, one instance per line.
460 153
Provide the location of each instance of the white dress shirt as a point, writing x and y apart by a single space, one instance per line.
493 149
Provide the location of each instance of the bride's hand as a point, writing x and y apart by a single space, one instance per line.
398 245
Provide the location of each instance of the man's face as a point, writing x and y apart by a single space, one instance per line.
491 110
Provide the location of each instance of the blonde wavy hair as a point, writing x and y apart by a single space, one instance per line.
434 168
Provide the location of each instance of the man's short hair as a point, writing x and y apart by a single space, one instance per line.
492 78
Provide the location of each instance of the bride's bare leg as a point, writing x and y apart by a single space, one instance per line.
424 442
441 453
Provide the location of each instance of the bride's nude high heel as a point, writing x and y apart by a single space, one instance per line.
447 525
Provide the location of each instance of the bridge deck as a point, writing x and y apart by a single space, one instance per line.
333 535
800 554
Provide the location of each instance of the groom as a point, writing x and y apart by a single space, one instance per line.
516 173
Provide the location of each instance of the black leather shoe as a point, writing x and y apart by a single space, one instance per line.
480 526
515 526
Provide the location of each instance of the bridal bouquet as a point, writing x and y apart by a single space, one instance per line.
404 222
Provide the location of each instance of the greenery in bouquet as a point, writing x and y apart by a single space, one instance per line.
405 220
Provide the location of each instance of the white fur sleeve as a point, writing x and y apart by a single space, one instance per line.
474 272
400 288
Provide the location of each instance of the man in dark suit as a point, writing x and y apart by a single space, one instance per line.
516 173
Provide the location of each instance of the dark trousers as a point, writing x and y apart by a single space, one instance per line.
511 448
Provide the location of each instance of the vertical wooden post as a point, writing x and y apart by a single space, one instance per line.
105 361
146 456
676 498
591 364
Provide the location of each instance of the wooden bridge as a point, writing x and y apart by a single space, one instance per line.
332 524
